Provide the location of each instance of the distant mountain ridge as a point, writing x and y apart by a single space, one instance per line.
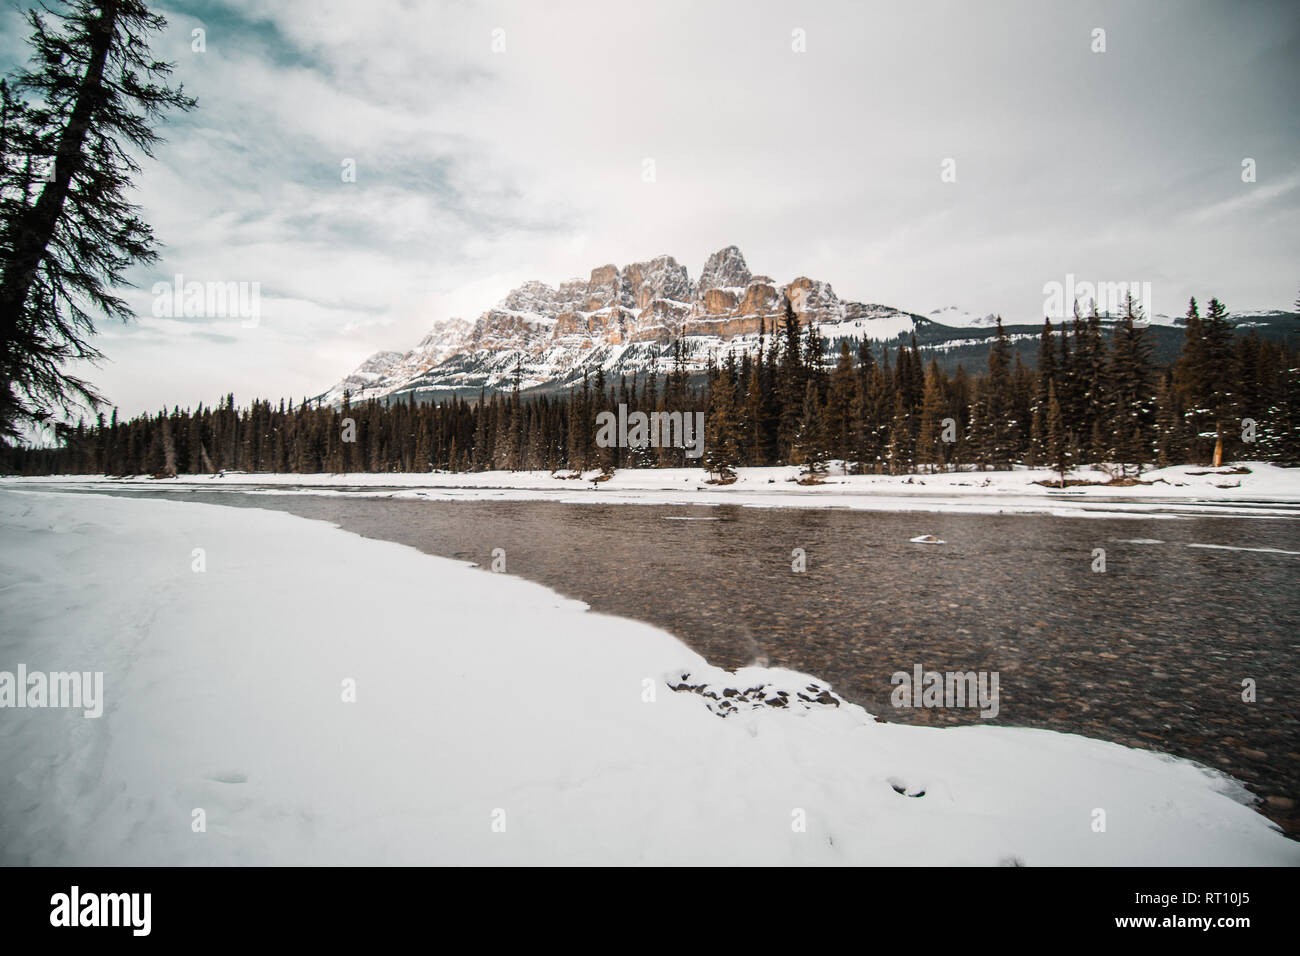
625 321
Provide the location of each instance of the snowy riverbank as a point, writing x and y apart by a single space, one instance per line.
485 702
1240 488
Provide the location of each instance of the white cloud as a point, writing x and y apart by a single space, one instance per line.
478 170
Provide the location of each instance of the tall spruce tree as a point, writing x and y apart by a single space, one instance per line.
1207 378
96 98
1129 391
993 425
1059 443
1046 378
1170 439
722 427
1221 376
839 410
811 447
790 387
929 446
901 450
1191 370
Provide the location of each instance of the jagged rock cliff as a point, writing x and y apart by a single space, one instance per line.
621 319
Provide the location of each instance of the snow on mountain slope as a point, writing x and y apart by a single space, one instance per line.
959 318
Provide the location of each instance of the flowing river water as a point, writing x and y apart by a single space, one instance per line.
1151 653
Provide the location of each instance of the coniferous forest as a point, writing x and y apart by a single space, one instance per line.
1095 396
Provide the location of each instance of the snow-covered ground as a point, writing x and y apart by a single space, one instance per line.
493 722
1181 489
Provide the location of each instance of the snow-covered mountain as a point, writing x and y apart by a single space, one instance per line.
959 318
622 320
626 321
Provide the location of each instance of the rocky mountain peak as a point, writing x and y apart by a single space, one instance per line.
604 288
622 320
725 269
532 296
662 277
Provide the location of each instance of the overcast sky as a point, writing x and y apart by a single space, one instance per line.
479 168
